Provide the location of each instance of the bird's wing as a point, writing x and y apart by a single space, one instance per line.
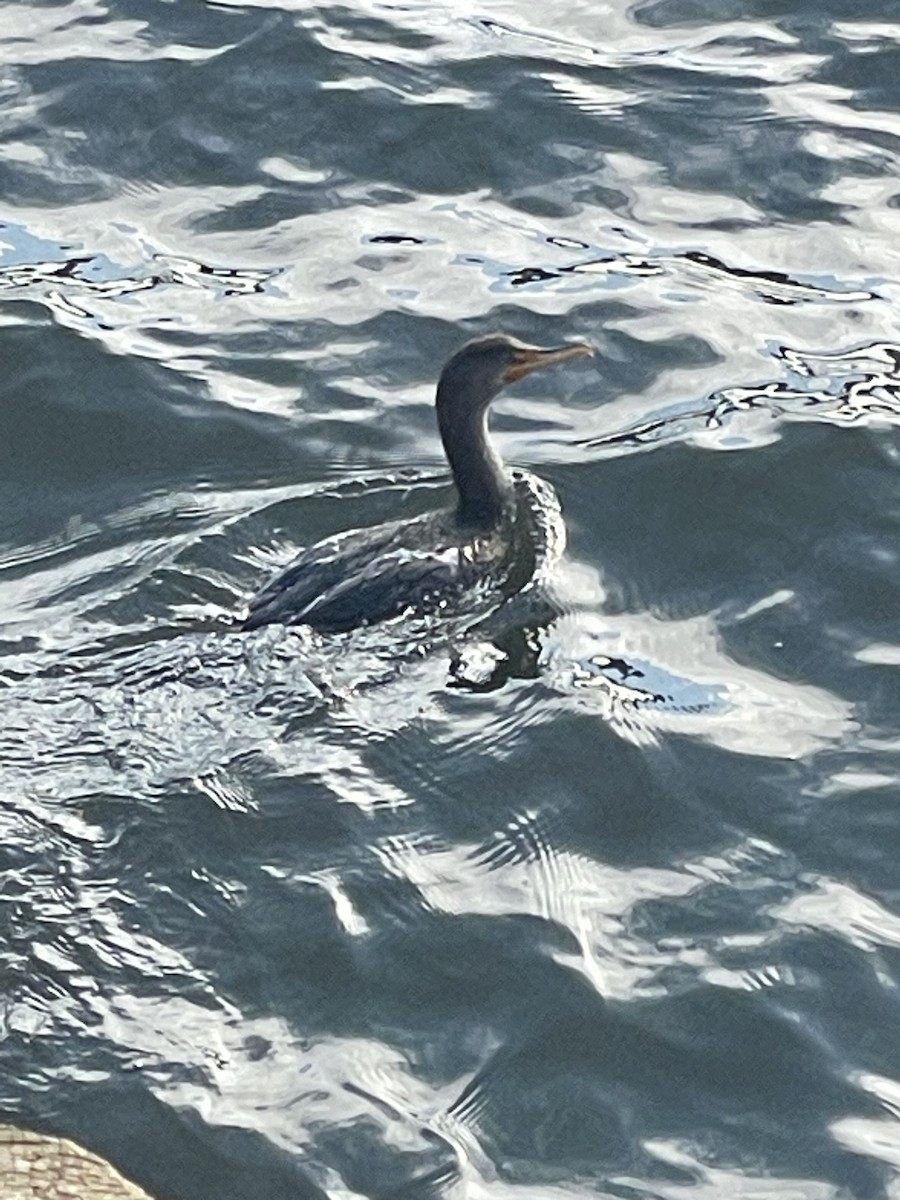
384 587
353 579
315 570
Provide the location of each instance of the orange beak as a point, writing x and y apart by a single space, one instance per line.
530 358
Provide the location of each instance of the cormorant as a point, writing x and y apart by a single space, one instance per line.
368 575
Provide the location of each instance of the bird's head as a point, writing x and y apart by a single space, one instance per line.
482 367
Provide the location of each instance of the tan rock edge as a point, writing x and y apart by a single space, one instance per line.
36 1166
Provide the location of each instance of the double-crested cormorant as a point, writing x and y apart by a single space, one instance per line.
368 575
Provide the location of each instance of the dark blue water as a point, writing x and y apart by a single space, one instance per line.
606 904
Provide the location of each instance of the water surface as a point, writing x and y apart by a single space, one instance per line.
608 905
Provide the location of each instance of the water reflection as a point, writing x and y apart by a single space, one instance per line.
57 280
598 897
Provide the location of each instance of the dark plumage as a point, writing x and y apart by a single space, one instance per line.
368 575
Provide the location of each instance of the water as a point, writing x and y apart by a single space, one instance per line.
606 903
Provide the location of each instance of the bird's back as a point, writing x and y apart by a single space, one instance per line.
369 575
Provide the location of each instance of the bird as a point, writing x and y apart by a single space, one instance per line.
421 565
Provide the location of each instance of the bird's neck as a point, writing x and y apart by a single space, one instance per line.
483 484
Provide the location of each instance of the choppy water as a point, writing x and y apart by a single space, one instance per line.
609 906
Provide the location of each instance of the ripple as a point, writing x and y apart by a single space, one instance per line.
643 675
